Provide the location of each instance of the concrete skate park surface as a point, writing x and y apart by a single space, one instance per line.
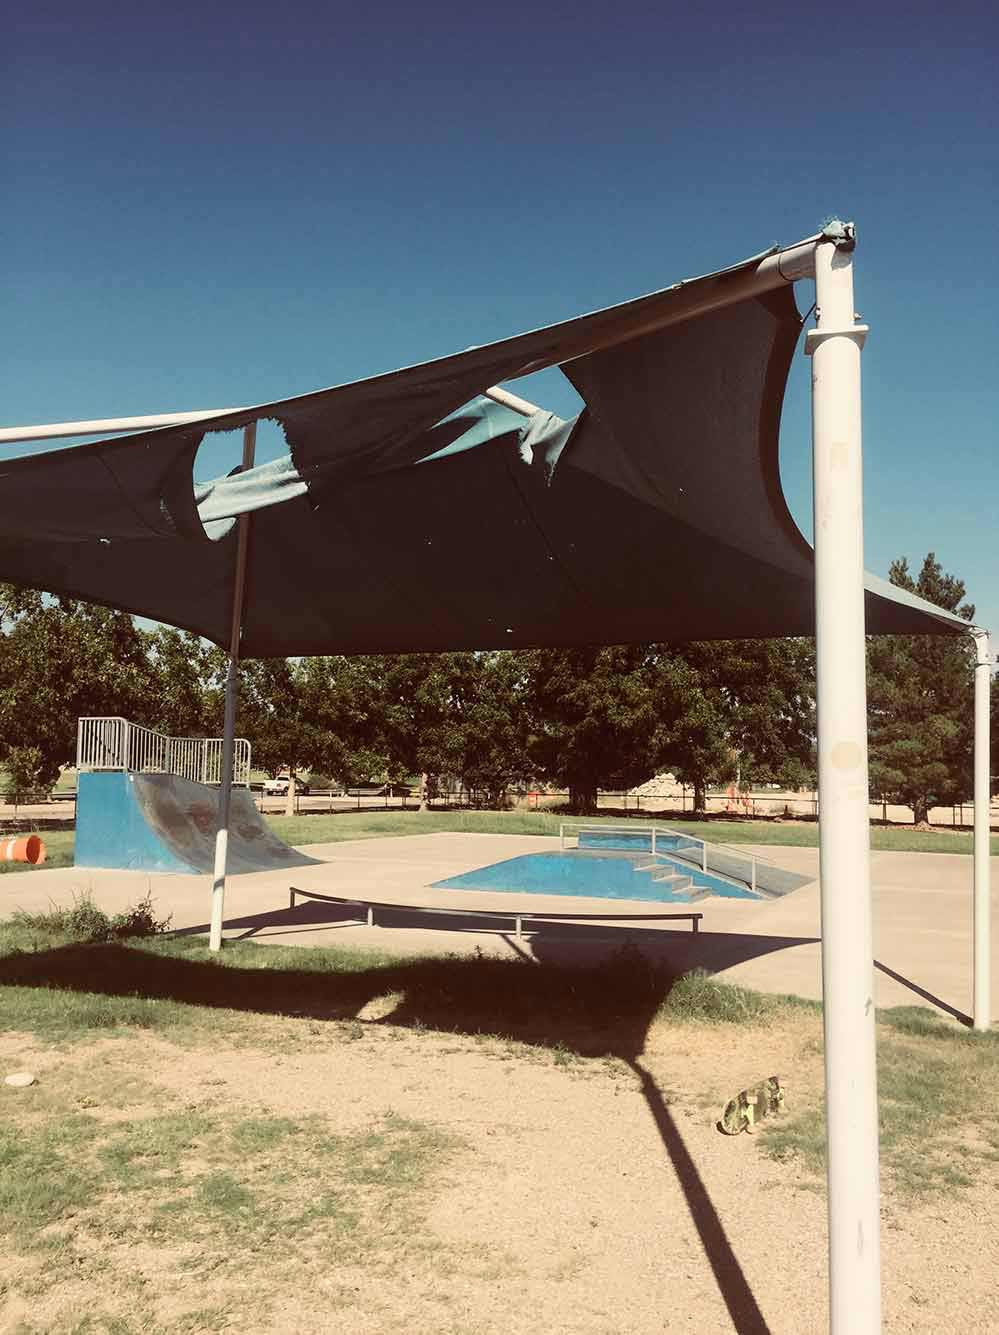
922 913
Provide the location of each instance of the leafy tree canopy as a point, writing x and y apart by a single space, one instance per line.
920 702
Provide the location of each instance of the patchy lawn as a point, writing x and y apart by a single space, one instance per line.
324 1140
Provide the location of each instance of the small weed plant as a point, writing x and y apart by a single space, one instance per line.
84 923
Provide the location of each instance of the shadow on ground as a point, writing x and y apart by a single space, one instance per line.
582 990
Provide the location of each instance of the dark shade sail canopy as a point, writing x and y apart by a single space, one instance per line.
412 514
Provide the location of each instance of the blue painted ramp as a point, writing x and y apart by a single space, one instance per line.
162 823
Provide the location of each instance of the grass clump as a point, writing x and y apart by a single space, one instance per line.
939 1127
84 922
81 1192
698 997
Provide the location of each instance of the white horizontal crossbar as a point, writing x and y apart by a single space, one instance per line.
109 426
774 270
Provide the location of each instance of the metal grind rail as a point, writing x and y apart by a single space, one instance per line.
113 743
708 856
517 916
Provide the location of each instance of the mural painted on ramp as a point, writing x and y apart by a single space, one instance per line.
162 823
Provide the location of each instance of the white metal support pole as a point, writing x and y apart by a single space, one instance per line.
844 821
982 1009
229 727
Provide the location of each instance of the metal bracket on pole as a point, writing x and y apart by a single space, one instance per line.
982 1005
815 337
843 235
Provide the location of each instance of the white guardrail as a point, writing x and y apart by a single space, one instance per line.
759 874
114 743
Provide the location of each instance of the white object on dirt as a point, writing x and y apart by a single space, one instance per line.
20 1080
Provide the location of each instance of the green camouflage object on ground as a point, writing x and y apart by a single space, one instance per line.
751 1105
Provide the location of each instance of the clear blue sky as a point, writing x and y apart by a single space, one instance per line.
221 204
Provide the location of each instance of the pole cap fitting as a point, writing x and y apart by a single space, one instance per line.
843 235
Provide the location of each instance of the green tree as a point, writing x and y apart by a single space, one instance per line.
340 705
272 714
920 702
449 714
745 706
189 677
24 769
488 700
594 719
59 660
693 710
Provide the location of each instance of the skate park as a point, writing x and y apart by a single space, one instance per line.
153 834
852 932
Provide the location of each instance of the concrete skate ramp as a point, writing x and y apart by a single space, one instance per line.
162 823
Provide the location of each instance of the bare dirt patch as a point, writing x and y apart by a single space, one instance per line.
364 1177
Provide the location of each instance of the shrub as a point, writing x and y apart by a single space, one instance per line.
139 920
86 923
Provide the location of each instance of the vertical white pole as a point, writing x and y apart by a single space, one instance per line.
229 726
844 821
982 1009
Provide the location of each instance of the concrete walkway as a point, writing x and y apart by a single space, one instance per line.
922 914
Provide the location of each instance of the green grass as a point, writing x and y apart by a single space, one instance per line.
323 828
939 1122
59 990
320 828
58 851
699 998
80 1189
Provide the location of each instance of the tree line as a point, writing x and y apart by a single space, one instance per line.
578 719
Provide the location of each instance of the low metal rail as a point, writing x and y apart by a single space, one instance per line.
518 916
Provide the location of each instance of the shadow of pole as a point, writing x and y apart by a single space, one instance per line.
732 1284
927 996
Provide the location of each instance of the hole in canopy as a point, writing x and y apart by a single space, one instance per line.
550 390
222 451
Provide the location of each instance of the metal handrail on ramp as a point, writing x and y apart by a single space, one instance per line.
759 874
113 743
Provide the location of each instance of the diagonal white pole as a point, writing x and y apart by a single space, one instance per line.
982 1007
109 426
844 829
229 726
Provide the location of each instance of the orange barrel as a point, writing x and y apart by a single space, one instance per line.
29 848
532 799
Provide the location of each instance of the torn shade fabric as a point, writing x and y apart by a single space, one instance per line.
403 520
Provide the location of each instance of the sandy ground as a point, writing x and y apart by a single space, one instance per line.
589 1199
596 1196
